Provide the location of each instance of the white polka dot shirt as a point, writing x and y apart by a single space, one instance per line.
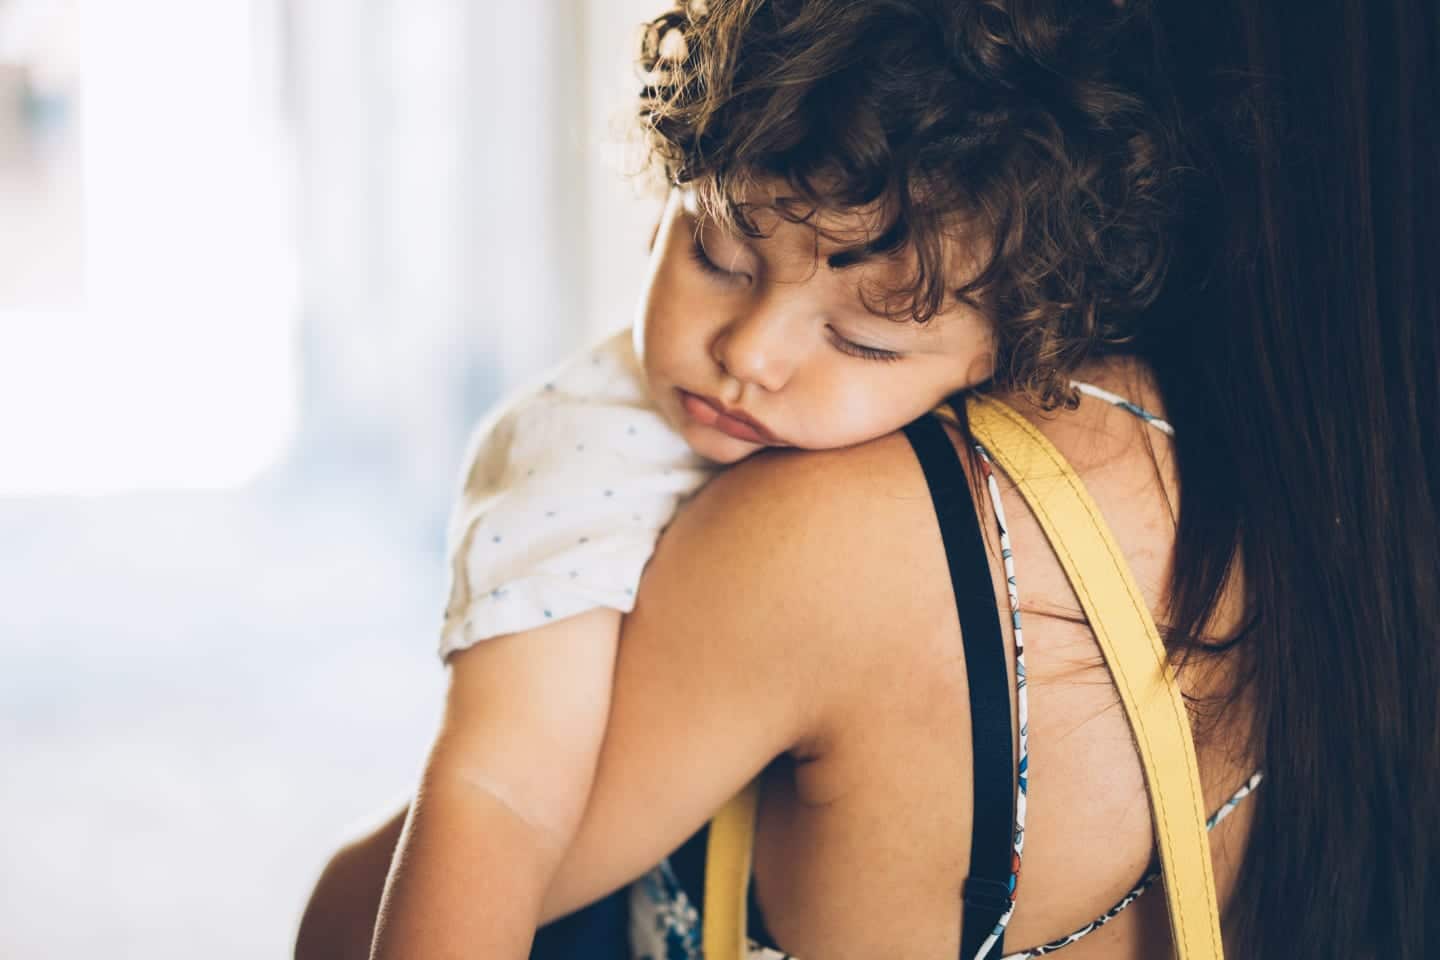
567 487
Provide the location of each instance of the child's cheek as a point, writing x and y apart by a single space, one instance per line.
867 407
857 412
652 342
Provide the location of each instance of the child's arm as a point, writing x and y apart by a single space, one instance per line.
502 792
565 491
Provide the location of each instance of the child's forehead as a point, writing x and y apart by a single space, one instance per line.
778 213
853 241
790 232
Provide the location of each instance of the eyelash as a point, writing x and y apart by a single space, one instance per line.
864 353
848 347
697 253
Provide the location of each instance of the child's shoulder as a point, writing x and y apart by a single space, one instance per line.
599 382
604 371
589 415
607 369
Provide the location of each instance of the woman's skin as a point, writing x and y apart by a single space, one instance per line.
814 637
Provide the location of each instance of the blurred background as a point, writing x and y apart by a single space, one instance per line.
263 263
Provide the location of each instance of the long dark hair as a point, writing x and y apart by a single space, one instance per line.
1296 348
1245 195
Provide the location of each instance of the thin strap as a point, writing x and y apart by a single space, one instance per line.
987 890
1127 636
1090 390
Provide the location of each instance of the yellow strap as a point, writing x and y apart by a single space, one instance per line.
1122 624
1137 661
727 877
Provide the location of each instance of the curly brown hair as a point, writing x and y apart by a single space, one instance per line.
1017 122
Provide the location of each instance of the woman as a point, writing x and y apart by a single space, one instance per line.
1285 537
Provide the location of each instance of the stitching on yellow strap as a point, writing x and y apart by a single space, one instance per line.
1182 885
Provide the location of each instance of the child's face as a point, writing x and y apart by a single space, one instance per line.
752 343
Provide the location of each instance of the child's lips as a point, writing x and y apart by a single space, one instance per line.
711 413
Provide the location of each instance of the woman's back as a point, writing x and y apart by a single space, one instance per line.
863 842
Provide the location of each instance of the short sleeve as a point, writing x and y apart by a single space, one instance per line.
565 491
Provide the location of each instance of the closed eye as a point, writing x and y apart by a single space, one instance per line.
854 349
702 259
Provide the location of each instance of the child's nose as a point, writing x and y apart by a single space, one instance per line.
759 348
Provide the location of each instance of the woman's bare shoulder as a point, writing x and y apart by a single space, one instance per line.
839 510
836 550
799 487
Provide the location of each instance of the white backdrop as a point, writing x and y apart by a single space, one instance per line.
221 579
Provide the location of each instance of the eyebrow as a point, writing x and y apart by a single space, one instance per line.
887 242
843 258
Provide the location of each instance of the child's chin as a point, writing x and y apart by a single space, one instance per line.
717 447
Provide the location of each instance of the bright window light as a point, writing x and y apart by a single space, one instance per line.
173 362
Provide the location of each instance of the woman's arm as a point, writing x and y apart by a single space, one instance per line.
765 607
765 610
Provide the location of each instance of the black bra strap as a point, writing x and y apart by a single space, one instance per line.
987 889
